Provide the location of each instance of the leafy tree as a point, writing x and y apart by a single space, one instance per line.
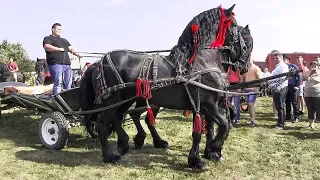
19 55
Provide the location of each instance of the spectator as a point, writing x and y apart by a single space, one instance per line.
301 102
13 68
312 92
292 96
265 88
280 92
58 60
234 78
253 73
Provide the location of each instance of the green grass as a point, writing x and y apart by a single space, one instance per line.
250 153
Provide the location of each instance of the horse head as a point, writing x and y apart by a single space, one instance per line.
209 32
240 45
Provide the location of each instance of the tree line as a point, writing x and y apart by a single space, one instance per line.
19 55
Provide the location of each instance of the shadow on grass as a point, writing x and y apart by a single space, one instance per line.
146 158
303 135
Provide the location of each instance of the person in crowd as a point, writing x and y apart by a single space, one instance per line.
279 89
292 95
301 102
254 73
13 68
312 92
234 78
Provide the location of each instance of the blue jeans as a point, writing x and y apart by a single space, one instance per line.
61 75
236 100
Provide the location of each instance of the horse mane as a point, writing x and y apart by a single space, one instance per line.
208 23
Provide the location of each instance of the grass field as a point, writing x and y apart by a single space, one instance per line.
250 153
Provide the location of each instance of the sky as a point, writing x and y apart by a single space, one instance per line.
105 25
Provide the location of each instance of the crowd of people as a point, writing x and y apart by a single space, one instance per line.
290 96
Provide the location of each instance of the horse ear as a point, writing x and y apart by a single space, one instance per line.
229 11
247 27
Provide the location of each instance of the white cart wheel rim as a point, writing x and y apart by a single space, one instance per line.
50 131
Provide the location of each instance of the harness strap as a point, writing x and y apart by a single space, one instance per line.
155 68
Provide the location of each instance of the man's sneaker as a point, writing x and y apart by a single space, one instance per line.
249 121
295 120
236 121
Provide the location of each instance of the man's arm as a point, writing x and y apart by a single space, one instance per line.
73 51
48 47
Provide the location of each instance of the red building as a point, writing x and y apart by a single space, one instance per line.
308 57
261 64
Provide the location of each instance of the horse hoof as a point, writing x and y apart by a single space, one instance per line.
197 165
113 159
161 144
139 141
215 157
123 150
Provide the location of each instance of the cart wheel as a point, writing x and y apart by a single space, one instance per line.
53 130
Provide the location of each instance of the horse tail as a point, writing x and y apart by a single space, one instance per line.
87 95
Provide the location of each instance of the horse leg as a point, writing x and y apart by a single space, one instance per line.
214 147
123 138
209 136
104 129
157 141
141 134
194 160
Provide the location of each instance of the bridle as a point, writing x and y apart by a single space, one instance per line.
231 57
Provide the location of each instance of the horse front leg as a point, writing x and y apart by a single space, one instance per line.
194 160
104 129
209 136
141 134
215 146
157 141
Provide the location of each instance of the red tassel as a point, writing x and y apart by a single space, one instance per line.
197 122
147 90
223 26
138 87
150 115
194 29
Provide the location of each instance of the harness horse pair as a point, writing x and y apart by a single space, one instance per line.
191 77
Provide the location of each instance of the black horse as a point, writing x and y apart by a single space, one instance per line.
42 70
158 142
190 59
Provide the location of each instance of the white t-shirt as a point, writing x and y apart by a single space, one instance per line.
280 68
